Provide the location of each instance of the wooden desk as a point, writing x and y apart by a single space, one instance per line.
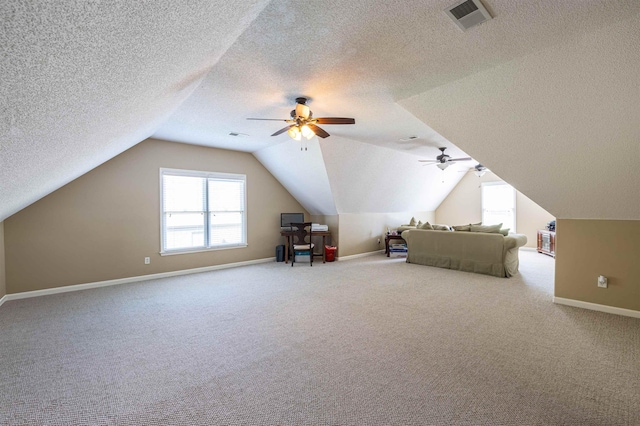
388 238
287 242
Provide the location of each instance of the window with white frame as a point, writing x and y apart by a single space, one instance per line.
202 210
499 205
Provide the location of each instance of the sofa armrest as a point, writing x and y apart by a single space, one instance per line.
514 240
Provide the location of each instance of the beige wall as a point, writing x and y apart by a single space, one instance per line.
464 205
102 225
359 232
3 289
589 248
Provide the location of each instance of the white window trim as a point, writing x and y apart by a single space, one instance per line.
206 175
515 207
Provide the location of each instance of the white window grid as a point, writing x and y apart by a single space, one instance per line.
207 214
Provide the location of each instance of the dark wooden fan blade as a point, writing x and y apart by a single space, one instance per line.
318 131
336 120
267 119
459 159
279 132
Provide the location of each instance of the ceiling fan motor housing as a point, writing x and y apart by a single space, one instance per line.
302 110
443 158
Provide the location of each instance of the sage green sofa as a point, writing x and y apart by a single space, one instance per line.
479 252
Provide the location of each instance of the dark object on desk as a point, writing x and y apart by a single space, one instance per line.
286 219
551 226
301 240
280 253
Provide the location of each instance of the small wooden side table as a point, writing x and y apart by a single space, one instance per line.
547 242
388 238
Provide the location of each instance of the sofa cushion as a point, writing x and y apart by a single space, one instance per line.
505 231
441 227
465 227
426 225
412 222
490 229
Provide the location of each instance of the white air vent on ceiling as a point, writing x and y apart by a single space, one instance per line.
467 13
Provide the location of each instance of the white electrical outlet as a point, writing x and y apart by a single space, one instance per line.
602 281
147 260
378 240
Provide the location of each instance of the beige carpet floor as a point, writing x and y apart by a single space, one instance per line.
372 341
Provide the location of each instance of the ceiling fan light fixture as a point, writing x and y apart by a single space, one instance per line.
442 166
294 132
307 132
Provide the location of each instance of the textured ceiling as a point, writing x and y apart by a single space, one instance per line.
358 58
561 125
83 81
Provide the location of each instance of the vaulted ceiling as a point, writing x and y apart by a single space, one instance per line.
546 94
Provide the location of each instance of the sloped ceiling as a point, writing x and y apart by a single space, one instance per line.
302 172
562 125
374 179
341 175
83 81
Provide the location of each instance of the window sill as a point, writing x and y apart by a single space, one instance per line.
200 250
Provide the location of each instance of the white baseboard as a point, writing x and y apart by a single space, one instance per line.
3 299
78 287
356 256
597 307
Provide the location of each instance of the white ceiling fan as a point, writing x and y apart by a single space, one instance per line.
479 170
443 160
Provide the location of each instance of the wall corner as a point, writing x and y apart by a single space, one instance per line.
3 275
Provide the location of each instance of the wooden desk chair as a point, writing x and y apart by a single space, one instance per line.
299 242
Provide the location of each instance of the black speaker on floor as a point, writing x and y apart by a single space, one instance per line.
280 253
